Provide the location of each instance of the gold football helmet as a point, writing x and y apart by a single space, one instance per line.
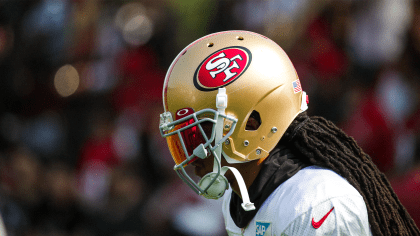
224 79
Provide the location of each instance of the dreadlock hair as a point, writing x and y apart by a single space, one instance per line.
322 143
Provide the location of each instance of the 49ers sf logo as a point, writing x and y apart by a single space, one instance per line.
222 68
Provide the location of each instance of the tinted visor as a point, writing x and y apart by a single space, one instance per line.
191 138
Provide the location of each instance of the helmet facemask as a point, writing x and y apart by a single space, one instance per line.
188 141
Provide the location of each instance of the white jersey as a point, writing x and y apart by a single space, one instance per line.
315 201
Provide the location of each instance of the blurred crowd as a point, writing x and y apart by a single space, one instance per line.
89 160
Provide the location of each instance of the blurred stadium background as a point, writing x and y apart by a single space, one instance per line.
80 88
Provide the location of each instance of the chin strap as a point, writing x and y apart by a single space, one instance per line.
221 104
247 205
218 187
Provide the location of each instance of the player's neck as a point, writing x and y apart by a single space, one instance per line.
249 172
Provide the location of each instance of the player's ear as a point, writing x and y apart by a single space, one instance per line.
254 121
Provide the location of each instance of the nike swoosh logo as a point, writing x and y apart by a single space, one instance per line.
318 224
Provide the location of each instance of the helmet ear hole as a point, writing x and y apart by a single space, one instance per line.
254 121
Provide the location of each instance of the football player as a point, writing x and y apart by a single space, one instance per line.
234 109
